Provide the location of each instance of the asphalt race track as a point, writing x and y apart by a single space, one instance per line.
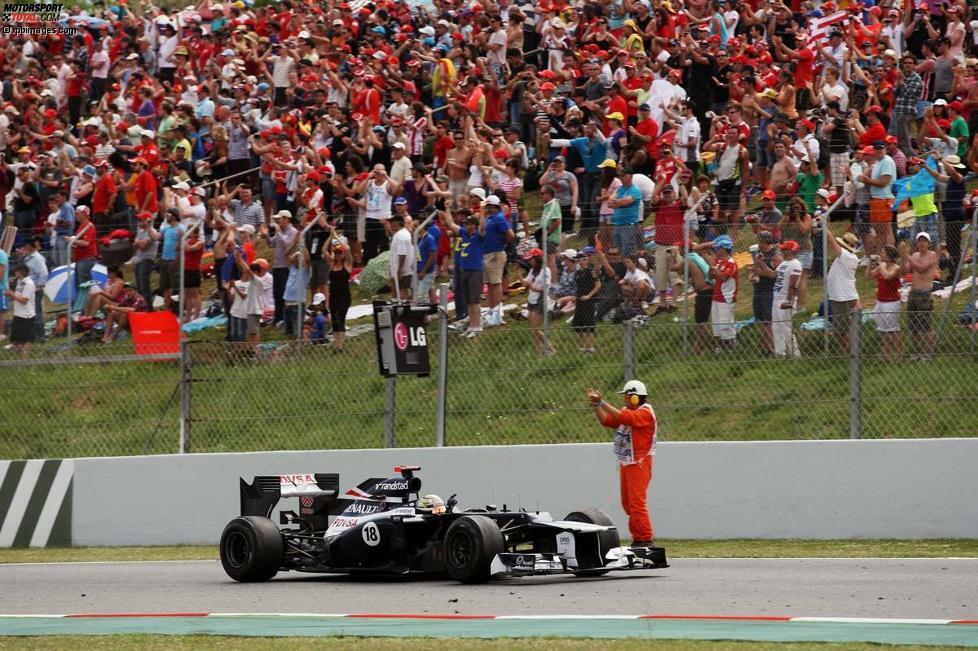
865 588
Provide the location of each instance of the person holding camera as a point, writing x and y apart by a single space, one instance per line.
635 439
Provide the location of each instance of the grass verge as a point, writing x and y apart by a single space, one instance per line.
677 548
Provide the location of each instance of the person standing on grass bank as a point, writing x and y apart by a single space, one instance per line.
22 297
537 280
635 440
841 285
4 284
402 257
587 286
783 301
923 268
470 263
340 260
726 282
497 234
886 268
35 262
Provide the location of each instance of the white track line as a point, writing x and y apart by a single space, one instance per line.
816 620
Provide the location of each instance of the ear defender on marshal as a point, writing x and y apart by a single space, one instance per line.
634 399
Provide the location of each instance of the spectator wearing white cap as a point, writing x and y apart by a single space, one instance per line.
188 202
315 330
401 164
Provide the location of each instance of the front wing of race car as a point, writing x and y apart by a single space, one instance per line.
617 559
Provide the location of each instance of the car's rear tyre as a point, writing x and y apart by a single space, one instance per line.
471 544
606 539
251 549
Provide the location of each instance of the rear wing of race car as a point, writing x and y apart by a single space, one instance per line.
317 493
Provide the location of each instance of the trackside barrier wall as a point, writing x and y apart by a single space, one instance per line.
918 488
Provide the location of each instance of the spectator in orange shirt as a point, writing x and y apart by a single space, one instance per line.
635 438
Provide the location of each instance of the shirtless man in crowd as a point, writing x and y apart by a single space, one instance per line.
923 267
783 172
457 166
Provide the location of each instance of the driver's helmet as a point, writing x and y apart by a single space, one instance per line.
431 503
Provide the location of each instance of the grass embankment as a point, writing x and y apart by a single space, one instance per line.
677 548
206 642
499 392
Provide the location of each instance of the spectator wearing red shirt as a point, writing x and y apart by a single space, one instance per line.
148 150
372 101
726 281
631 85
616 104
192 253
669 215
73 91
646 130
444 144
804 55
104 195
666 168
144 186
85 247
874 129
635 439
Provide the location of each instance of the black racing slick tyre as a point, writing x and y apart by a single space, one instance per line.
471 544
606 539
251 549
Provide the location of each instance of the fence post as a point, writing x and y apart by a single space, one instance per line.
628 341
855 375
390 410
71 285
974 275
442 363
186 377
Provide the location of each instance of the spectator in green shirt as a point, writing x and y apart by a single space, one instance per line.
550 226
808 184
959 127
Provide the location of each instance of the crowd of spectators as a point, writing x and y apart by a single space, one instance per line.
479 140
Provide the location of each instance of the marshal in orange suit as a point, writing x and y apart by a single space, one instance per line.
635 430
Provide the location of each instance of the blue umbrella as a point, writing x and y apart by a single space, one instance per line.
56 288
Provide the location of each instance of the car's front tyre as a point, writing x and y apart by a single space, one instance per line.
606 540
471 544
251 549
